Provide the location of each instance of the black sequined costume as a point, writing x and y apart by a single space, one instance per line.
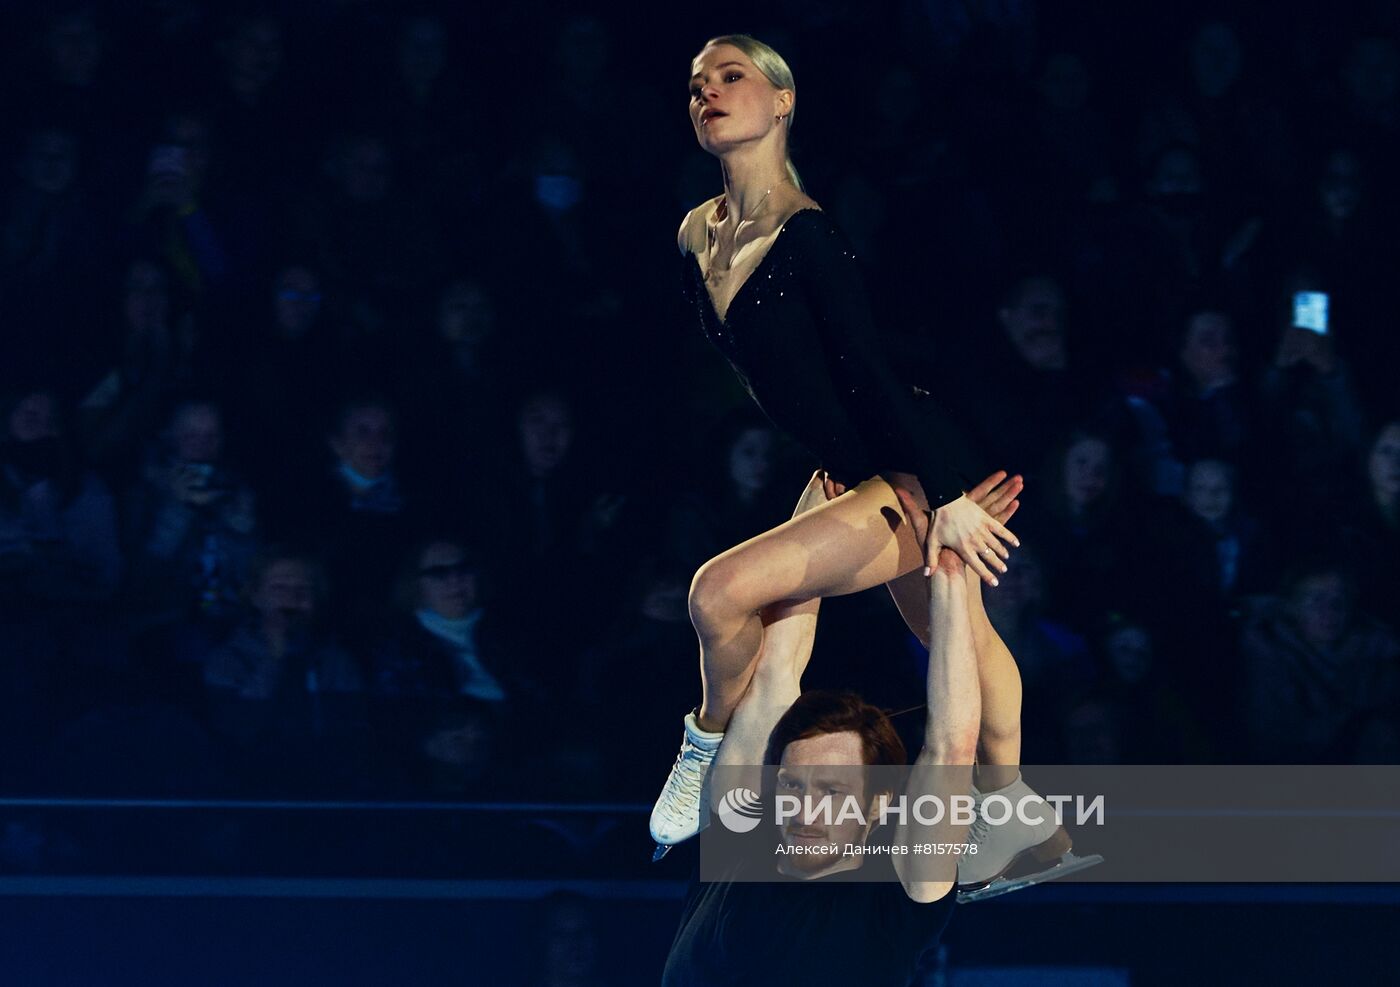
799 333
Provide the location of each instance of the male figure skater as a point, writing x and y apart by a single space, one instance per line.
820 918
1009 856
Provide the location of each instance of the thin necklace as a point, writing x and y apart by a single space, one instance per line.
756 206
710 271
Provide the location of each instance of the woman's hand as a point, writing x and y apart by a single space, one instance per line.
967 526
997 495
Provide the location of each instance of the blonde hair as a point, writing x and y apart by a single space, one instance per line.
775 69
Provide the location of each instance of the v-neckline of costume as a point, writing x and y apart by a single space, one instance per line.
723 320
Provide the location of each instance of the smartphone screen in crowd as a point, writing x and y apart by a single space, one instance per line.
1310 311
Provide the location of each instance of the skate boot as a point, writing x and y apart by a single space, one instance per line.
676 816
1014 854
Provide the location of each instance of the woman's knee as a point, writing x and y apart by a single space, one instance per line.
713 601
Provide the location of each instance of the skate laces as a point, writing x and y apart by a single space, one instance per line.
980 828
684 783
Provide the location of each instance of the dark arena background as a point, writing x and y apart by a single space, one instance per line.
336 330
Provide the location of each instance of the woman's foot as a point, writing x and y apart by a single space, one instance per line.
676 815
1016 854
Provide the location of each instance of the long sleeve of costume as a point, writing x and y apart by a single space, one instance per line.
919 440
800 335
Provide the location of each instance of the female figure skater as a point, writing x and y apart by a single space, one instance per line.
779 293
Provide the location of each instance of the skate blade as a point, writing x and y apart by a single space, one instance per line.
661 850
1068 864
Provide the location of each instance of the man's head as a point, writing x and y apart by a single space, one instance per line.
252 51
1033 315
466 314
1208 352
1321 598
821 747
365 438
1210 490
196 432
285 588
546 431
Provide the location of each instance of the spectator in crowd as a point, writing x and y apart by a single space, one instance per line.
282 695
1083 532
451 695
1056 666
1072 134
171 216
1314 662
1092 733
438 652
369 243
1053 393
356 511
191 524
1208 415
455 389
60 648
467 328
1335 231
51 236
551 517
419 102
42 215
736 496
1207 553
364 443
1307 394
283 370
1154 722
73 80
1371 533
1210 498
654 624
58 526
1169 246
122 407
252 100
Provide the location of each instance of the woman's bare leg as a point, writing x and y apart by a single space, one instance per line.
846 545
789 630
999 738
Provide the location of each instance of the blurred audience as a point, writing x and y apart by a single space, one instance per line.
285 276
1314 663
453 699
58 522
737 494
281 694
191 524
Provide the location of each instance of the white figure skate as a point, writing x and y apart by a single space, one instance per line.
1015 855
676 816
